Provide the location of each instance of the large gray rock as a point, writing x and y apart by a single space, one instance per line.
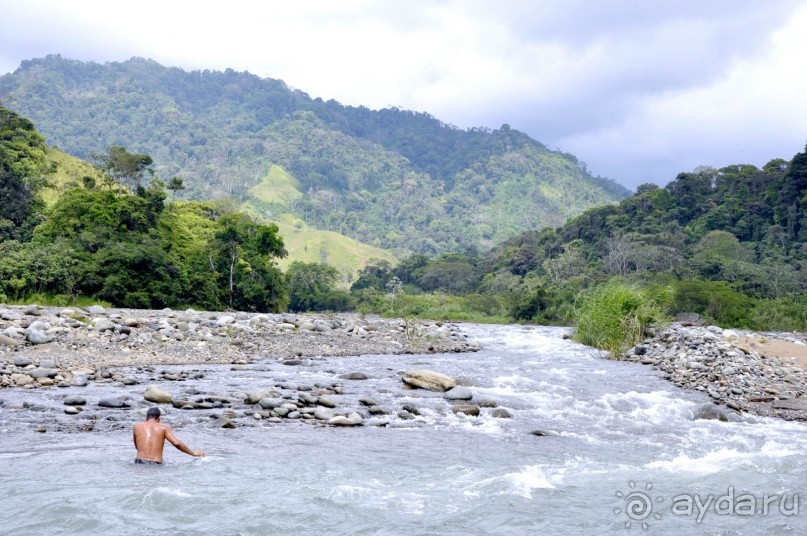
75 401
254 398
458 393
22 361
32 310
325 401
324 414
40 372
427 379
271 403
157 395
689 319
113 403
36 336
103 324
96 310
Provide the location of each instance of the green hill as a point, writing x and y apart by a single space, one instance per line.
270 199
394 179
66 172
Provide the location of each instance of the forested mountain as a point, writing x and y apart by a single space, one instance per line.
392 178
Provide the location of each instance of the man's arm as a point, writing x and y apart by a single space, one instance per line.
169 435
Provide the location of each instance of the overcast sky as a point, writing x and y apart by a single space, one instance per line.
638 89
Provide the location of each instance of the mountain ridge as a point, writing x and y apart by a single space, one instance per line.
394 179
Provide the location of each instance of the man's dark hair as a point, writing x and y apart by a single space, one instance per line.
153 413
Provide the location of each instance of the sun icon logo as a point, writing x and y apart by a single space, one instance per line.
638 505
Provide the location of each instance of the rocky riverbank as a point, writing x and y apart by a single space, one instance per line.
736 369
128 356
96 338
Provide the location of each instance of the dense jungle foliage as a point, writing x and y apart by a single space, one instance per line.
123 245
395 179
729 244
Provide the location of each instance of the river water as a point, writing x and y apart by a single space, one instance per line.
625 455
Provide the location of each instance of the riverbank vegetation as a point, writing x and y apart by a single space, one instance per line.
729 244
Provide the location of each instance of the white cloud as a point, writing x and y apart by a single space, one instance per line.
754 113
639 89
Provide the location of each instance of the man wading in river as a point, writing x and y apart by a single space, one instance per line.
150 436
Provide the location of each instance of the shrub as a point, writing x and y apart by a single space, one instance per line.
716 301
786 314
615 316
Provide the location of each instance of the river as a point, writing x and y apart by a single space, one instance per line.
624 455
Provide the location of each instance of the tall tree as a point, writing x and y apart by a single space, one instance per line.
309 285
246 250
122 167
175 184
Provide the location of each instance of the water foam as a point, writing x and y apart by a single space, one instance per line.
520 483
525 481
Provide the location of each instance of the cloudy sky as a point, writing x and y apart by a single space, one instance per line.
638 89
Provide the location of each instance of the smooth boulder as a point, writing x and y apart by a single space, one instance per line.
75 401
430 380
157 395
113 403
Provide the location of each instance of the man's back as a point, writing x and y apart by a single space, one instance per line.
149 438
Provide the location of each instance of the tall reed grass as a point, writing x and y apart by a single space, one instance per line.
615 316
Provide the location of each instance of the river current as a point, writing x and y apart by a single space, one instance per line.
624 455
